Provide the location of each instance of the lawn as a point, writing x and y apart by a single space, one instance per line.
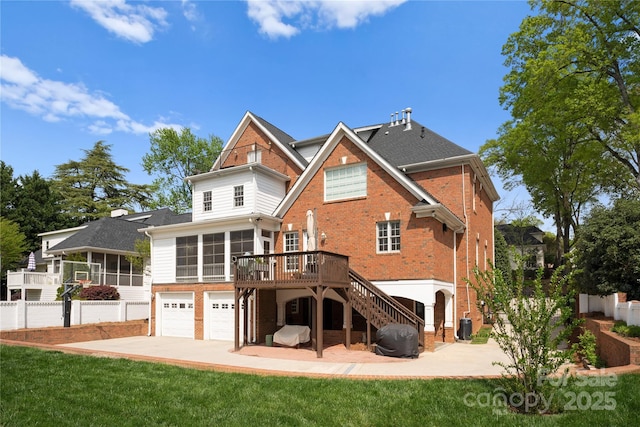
40 387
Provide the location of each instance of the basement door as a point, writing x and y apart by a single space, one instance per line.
177 315
221 310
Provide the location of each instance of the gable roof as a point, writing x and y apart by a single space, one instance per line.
117 234
277 136
422 196
517 236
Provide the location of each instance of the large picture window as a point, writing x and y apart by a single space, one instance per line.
187 258
345 182
389 236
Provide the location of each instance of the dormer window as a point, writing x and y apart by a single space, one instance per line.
238 196
206 201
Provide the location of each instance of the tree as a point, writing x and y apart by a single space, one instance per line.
529 329
12 245
573 93
95 185
37 208
503 262
173 157
8 190
608 252
581 59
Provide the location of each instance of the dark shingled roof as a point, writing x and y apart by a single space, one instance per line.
120 233
515 235
404 147
283 137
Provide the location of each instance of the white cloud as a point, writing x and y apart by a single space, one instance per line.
23 89
136 23
190 12
271 14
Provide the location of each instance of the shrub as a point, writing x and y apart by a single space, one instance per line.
621 328
97 293
586 348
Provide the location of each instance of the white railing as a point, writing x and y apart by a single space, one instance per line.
609 305
16 279
33 314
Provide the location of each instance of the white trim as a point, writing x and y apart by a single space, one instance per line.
334 139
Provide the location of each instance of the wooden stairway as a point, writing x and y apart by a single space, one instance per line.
379 308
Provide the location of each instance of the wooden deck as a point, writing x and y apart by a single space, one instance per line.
292 270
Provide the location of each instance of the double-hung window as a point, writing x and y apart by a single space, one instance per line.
388 236
238 196
292 244
345 182
206 201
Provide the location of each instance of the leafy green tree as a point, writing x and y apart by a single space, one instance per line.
608 252
579 60
529 328
502 256
173 157
8 190
95 185
13 246
37 208
572 91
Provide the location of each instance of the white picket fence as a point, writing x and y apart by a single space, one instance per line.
35 314
609 305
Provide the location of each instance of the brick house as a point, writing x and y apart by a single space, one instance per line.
410 212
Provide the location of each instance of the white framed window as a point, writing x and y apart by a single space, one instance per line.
292 244
345 182
388 236
254 156
206 201
238 196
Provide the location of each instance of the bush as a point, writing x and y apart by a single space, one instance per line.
586 348
99 293
621 328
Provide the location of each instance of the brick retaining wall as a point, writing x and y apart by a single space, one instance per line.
612 348
78 333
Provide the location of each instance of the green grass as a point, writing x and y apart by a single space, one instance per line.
482 336
52 388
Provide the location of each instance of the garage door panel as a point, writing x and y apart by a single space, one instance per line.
222 316
177 315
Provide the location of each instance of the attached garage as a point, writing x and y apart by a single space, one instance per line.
220 315
175 312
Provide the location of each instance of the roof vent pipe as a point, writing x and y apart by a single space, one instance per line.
397 121
391 122
408 124
404 117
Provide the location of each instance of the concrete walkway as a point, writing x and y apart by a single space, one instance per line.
459 360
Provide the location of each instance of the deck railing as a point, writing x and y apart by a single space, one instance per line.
19 278
292 269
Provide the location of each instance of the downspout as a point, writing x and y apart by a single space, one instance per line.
146 233
455 279
466 224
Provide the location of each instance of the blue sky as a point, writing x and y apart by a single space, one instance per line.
75 72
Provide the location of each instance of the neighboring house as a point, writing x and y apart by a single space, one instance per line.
528 242
395 210
104 244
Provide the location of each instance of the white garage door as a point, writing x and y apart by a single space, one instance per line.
221 316
176 315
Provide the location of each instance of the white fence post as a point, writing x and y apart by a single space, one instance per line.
22 314
122 312
76 312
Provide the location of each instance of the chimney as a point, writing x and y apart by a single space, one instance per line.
407 125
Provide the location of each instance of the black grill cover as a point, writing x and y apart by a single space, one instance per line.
396 340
